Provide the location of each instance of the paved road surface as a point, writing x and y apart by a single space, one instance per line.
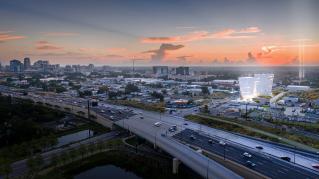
267 165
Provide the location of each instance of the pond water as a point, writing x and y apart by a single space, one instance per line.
106 171
67 139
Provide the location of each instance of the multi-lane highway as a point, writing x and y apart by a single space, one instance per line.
128 117
159 136
302 158
269 166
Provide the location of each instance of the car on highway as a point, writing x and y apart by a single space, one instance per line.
157 124
259 147
246 154
185 124
192 137
316 166
250 164
174 127
210 141
286 158
222 142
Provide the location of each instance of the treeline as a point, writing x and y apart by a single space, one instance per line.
22 132
21 120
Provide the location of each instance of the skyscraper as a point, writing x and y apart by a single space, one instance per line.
160 71
16 66
27 63
182 71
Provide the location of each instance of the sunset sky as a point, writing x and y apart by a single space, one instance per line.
171 32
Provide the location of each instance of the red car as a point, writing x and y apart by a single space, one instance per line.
316 166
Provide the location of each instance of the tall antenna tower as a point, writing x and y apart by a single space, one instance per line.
301 57
133 63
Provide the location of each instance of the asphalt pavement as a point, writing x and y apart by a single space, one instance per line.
266 165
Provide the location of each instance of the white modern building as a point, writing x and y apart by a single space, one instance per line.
294 88
264 84
258 85
247 87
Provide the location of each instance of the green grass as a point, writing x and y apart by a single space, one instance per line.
158 107
310 127
132 141
253 129
224 125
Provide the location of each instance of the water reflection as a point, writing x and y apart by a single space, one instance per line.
106 171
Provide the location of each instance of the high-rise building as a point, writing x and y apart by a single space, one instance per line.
264 84
16 66
259 85
26 63
160 71
182 71
41 65
247 87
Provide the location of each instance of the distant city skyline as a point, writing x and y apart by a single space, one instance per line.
189 33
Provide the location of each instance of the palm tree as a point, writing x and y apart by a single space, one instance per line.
64 157
100 145
5 168
72 154
55 160
91 148
82 150
35 164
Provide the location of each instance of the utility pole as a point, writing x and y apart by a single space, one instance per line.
225 152
89 116
295 154
246 115
133 69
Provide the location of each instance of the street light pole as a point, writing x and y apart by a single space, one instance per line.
246 115
225 152
207 168
294 155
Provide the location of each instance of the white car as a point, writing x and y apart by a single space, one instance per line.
157 124
246 154
222 142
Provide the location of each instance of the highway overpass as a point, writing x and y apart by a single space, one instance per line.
157 135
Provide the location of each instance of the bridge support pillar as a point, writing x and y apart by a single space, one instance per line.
176 163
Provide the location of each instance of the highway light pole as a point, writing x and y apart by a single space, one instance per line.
225 152
207 167
294 155
89 116
246 113
88 109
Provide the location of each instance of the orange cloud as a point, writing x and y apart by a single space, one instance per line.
250 30
45 45
115 50
57 34
6 36
200 35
